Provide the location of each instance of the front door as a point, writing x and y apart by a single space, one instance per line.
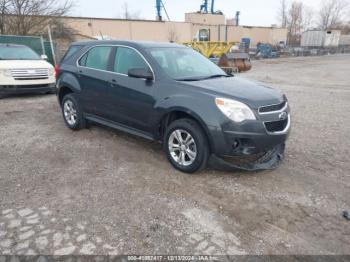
132 99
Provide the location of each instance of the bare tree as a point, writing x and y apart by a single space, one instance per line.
126 11
127 14
295 22
4 5
282 13
33 16
60 30
332 14
308 16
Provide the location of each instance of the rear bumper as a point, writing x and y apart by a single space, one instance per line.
26 89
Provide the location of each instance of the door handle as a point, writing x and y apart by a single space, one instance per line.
113 83
80 72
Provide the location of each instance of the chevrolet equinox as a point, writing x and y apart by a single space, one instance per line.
172 94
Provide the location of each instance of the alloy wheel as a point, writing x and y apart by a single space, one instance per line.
70 112
182 147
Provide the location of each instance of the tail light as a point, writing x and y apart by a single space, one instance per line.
57 70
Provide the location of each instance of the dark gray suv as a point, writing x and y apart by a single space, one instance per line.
172 94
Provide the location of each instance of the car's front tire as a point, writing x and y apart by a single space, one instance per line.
186 146
72 113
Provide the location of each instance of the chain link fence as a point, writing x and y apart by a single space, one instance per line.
37 43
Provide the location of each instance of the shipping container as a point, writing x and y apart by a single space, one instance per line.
344 40
318 38
312 39
332 38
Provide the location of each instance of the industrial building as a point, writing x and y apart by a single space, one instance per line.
215 24
215 27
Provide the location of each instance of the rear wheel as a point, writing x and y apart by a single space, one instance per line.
186 146
72 113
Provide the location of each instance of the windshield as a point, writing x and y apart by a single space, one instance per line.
185 64
17 53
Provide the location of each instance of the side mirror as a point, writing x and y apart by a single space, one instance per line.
44 57
141 73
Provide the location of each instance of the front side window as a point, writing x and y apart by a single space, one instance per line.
97 58
126 59
185 63
8 52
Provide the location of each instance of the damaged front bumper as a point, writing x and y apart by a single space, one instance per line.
267 161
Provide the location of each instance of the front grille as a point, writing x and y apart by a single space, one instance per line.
276 126
272 108
30 74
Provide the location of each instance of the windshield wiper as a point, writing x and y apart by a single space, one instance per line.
215 76
202 78
189 79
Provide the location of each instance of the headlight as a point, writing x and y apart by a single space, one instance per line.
51 71
5 72
234 110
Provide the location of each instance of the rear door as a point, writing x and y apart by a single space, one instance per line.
132 99
94 75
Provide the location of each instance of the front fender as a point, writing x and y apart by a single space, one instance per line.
200 108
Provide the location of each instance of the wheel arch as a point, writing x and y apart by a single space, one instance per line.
64 90
67 83
181 113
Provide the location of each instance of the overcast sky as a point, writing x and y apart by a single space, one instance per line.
253 12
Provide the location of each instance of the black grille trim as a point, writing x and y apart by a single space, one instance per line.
272 108
32 78
277 126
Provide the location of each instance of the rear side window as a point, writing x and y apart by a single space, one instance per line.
97 58
71 51
126 59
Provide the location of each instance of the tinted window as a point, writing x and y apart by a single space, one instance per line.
126 59
184 63
71 51
97 58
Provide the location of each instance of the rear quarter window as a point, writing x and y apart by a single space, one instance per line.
96 58
70 52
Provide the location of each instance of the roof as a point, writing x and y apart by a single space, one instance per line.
139 44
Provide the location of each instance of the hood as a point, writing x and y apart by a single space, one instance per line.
22 64
250 92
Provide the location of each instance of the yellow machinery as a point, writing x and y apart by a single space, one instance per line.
228 61
210 49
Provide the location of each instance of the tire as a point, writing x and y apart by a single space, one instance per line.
73 117
181 153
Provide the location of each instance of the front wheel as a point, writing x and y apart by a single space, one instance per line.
186 146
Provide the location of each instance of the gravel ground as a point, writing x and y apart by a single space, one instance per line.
99 191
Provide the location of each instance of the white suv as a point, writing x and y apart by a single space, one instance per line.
24 71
